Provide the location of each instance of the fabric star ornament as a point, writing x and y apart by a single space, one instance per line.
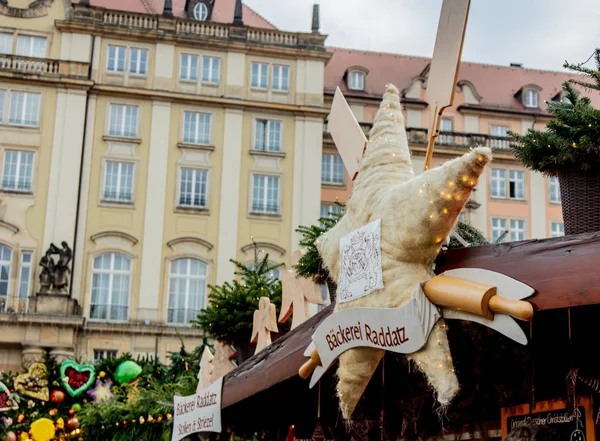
416 214
102 391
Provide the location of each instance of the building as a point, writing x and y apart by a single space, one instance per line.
490 101
157 144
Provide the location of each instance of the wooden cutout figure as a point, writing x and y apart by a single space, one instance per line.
265 322
223 361
206 369
297 294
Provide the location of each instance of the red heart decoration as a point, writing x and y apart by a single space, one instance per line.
77 379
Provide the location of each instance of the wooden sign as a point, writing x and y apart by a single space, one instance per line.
443 73
557 415
198 413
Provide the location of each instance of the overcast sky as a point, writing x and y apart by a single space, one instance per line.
539 34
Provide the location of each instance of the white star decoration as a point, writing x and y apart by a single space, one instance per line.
417 214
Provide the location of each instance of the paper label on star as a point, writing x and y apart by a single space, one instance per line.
360 263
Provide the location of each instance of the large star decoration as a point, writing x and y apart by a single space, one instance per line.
102 391
417 214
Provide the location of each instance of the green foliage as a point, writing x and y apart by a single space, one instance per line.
229 316
593 74
470 234
571 143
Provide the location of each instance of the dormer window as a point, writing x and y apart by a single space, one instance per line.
356 80
200 12
531 99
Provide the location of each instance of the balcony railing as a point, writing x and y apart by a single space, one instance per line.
43 66
13 304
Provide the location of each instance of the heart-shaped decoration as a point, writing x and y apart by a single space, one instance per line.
7 401
76 379
34 383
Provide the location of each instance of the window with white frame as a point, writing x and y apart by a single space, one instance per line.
31 46
462 217
103 354
260 75
499 132
200 12
187 290
193 187
24 109
265 194
5 263
281 78
531 98
111 281
17 171
115 62
554 190
498 228
267 135
557 229
211 70
357 81
196 127
446 126
328 210
517 230
25 274
516 184
332 169
188 70
118 182
498 188
138 61
123 120
6 43
2 104
274 274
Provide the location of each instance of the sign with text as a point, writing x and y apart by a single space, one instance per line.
404 330
568 426
198 413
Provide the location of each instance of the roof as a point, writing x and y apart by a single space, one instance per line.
496 85
222 11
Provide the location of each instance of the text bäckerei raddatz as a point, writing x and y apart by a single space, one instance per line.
383 336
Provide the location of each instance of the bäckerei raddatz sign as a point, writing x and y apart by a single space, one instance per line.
198 413
404 330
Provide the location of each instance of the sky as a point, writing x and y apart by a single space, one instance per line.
540 34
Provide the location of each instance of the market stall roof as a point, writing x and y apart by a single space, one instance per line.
563 271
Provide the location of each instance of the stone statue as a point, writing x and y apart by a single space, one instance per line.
54 276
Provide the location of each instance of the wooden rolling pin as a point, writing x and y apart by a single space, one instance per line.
459 295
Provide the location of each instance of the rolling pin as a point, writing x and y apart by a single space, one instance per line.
459 295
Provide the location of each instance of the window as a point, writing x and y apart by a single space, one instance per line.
557 229
6 43
498 228
24 109
267 136
554 190
5 261
193 188
274 274
102 354
200 12
2 101
210 70
516 184
123 120
565 99
116 59
281 78
498 183
461 217
446 126
29 46
118 182
196 128
189 67
517 230
357 81
328 210
260 75
265 198
531 98
138 61
25 274
111 276
17 172
187 290
499 132
332 169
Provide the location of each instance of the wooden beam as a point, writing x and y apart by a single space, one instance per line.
563 271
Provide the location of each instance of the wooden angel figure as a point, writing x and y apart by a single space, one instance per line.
206 369
265 322
223 362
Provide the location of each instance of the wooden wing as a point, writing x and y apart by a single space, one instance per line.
271 318
255 327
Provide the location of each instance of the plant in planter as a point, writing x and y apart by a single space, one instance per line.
229 316
570 150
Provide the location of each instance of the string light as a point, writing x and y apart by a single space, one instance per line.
574 145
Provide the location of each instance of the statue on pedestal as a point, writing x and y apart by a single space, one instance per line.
54 277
